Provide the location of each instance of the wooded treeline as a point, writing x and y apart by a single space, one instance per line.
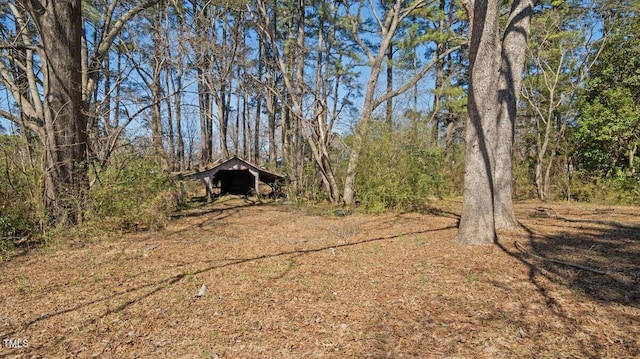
312 88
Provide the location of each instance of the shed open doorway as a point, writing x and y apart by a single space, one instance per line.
234 176
239 182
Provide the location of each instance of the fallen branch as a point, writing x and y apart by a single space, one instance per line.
557 261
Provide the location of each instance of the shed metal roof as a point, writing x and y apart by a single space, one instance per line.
234 163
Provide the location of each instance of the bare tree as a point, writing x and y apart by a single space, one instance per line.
558 67
310 106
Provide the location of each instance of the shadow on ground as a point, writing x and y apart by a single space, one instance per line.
598 258
144 291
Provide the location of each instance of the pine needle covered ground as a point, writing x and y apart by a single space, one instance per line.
282 282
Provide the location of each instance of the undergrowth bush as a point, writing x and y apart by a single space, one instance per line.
133 193
21 211
399 171
523 180
619 189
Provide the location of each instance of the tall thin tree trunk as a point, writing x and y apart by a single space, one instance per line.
179 139
299 90
246 130
436 118
271 114
546 183
170 129
632 153
236 135
118 96
286 137
223 119
156 119
271 104
389 109
259 92
157 94
204 105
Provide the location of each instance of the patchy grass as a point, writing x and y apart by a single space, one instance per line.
290 283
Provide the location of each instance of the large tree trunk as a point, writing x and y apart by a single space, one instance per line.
487 202
477 225
514 45
66 185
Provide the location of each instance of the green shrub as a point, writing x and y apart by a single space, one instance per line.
523 180
134 193
626 189
620 189
399 171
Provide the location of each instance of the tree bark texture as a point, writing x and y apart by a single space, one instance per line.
477 225
495 80
514 46
66 184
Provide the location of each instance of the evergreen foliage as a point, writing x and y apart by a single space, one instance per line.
608 131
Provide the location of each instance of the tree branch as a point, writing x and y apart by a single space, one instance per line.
104 46
19 47
414 80
37 7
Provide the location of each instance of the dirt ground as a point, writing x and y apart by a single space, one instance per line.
288 282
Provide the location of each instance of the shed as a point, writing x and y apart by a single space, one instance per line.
233 176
